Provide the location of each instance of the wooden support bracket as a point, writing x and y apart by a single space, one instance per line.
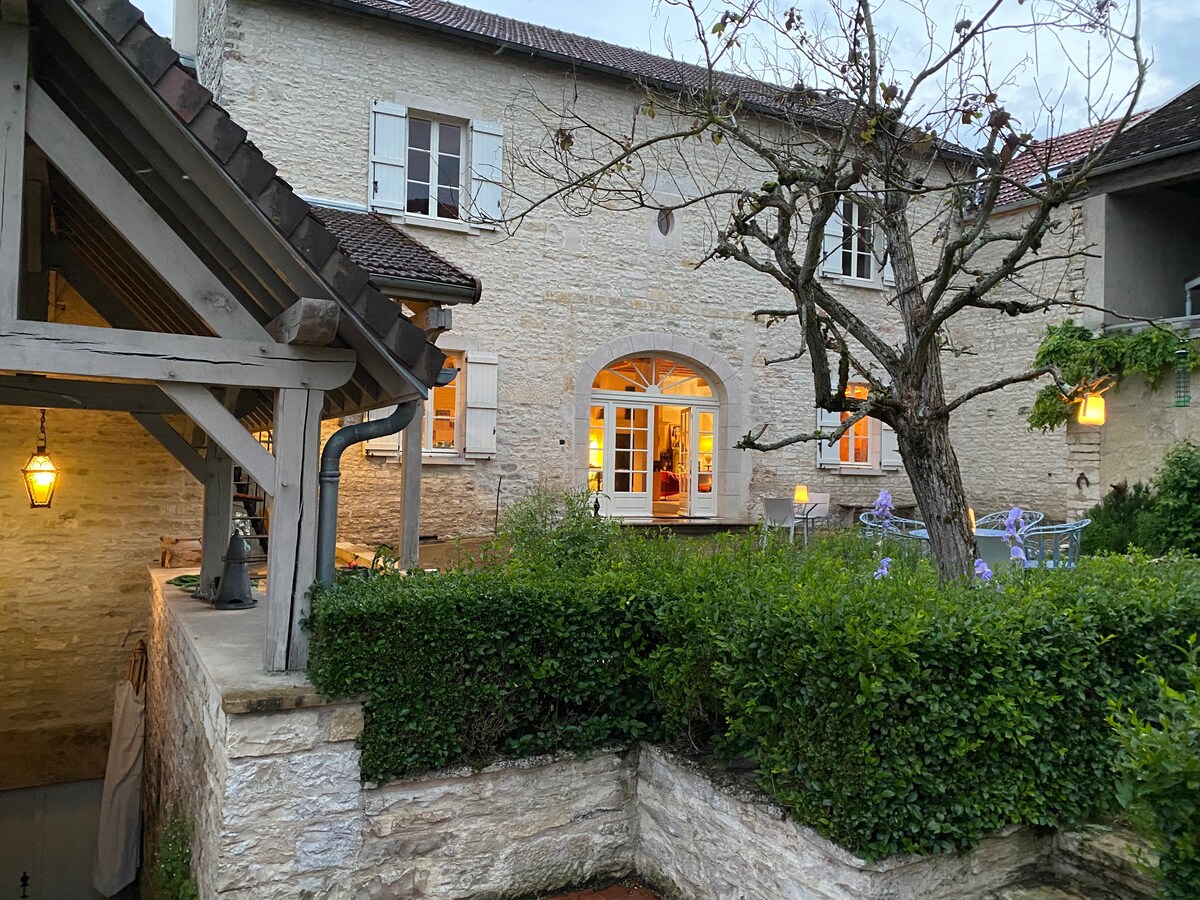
310 321
175 443
222 427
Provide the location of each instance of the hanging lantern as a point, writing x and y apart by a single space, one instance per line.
1091 410
800 495
40 473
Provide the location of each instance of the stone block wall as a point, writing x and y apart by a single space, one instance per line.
268 773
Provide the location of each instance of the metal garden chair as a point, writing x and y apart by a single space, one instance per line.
779 513
1031 518
1054 546
896 526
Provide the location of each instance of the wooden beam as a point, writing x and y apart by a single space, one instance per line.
174 442
14 12
221 426
309 321
55 349
120 203
218 517
64 393
410 491
292 547
14 80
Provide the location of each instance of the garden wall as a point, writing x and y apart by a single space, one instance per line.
268 774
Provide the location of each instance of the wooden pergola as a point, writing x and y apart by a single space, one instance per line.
229 303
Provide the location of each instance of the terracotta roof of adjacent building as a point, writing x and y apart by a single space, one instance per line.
386 251
1030 165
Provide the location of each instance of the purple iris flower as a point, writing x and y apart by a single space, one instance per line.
1018 553
883 508
1013 523
982 572
885 568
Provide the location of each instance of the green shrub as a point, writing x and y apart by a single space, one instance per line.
1160 519
892 714
172 877
1161 784
1119 521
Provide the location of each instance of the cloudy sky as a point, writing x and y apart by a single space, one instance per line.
1046 74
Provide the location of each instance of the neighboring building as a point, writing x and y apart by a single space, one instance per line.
1140 218
602 356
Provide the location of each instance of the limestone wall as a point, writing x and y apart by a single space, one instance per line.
302 79
73 583
268 773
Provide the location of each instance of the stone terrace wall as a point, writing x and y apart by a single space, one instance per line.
269 776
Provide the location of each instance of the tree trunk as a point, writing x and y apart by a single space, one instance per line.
937 484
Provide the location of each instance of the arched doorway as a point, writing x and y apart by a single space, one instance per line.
652 438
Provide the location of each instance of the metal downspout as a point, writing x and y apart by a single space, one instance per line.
331 473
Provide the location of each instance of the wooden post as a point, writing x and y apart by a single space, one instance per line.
14 73
218 515
292 545
410 491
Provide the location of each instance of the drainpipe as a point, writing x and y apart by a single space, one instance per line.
331 473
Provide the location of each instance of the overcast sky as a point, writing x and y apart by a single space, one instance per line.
1171 34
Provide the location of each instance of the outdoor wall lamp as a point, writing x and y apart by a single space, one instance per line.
1091 410
40 473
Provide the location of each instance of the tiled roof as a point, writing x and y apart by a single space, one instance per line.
152 57
1054 153
1174 124
518 36
386 251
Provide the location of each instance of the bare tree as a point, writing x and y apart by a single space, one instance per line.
866 148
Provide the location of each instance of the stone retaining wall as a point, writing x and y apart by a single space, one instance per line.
268 772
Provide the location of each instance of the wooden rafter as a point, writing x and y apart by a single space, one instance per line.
174 443
123 207
65 393
222 427
54 349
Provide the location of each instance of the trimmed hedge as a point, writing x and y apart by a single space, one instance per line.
891 714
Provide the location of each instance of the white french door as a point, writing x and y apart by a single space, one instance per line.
629 431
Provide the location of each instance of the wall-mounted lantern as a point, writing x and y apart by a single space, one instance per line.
1091 410
40 473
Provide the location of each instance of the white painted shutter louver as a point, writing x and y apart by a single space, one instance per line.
487 171
828 457
481 372
389 444
389 149
889 457
831 252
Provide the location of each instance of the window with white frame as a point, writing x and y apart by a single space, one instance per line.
853 246
459 419
868 446
434 169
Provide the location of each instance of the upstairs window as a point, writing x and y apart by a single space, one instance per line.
853 246
434 169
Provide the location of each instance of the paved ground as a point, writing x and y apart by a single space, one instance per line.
616 892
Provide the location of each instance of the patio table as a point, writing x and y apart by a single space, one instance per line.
993 548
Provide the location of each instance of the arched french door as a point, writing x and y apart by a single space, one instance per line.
652 448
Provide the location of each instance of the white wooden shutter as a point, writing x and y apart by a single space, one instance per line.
889 456
481 387
828 457
487 171
389 149
389 444
831 252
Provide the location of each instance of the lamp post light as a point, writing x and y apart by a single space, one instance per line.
40 473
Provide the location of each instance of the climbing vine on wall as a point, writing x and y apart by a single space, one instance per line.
1084 357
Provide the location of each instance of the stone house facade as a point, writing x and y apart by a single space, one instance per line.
319 85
